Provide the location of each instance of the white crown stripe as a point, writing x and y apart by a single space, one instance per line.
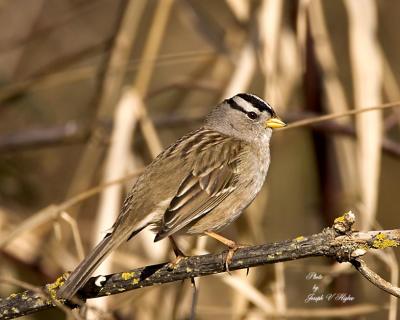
256 102
247 106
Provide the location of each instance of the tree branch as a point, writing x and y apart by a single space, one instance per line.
339 242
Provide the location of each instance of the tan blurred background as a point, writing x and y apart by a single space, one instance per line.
91 91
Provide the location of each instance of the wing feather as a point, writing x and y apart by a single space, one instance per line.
213 178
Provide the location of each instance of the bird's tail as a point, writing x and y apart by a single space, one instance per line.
84 270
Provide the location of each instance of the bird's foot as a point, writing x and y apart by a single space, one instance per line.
174 264
179 255
233 247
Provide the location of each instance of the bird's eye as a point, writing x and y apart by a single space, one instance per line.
252 115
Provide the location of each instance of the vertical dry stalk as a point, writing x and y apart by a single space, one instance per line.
152 47
244 67
301 29
269 18
140 87
390 84
335 94
290 68
146 68
241 9
126 117
391 89
243 73
367 80
111 87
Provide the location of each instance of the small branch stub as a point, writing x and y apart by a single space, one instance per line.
344 223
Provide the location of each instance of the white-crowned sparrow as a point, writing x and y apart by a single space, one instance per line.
198 185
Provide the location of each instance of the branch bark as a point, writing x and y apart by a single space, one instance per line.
339 242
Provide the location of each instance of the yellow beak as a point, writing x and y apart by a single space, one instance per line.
274 123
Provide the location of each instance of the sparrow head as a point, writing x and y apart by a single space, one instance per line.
244 116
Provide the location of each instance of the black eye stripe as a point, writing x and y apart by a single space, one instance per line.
235 105
257 103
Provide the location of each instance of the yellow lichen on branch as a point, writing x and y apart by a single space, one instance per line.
53 287
381 242
127 275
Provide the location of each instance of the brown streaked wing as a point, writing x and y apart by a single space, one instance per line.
213 178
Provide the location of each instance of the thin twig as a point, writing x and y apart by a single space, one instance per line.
374 278
75 234
388 146
338 115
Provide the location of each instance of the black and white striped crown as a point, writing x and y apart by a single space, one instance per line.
247 103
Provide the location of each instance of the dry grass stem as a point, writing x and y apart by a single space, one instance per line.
334 91
127 114
75 234
313 120
366 66
142 80
243 72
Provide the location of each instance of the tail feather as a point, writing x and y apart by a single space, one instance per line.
84 270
